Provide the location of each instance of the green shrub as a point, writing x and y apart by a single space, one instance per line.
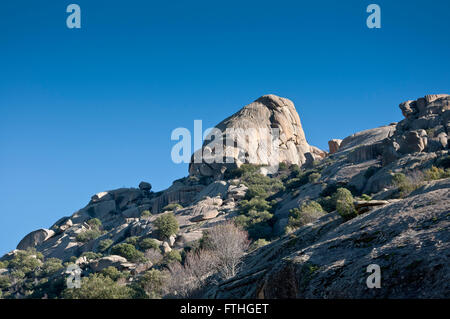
314 177
259 216
146 214
104 244
344 203
132 240
404 185
243 170
258 244
172 207
112 273
94 222
258 184
330 189
346 209
256 191
51 266
90 255
18 274
327 203
3 264
88 235
129 252
172 256
342 194
295 170
257 204
261 186
301 178
282 166
297 182
24 262
97 286
167 225
5 282
242 221
148 243
435 173
307 213
366 197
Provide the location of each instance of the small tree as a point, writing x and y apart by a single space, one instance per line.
229 244
167 225
222 248
179 283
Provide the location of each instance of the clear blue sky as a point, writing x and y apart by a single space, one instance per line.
83 111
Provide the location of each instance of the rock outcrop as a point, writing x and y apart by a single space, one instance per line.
425 128
35 238
334 145
252 142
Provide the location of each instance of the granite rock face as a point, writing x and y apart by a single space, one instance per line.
248 133
35 238
408 239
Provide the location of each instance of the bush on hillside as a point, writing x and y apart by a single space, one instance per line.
172 207
112 273
167 225
146 214
95 223
51 266
306 213
104 245
171 257
129 252
88 235
344 203
98 286
435 173
148 243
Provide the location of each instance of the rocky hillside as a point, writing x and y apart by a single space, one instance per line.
379 196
